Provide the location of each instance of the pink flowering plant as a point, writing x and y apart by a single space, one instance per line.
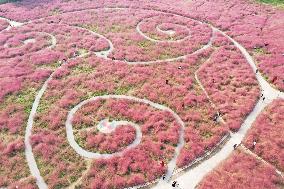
240 170
64 54
3 24
267 133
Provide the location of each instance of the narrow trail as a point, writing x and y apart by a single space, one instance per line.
166 32
93 155
248 151
84 153
79 181
192 177
11 23
220 118
28 147
179 58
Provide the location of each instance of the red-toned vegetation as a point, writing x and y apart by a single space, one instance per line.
241 170
229 82
32 52
3 24
267 131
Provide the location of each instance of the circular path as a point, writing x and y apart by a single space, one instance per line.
164 30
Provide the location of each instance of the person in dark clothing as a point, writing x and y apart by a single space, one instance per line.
274 79
167 82
216 116
174 184
235 146
75 54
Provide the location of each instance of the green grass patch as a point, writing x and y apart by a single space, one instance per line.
279 3
94 27
55 11
44 167
82 69
260 51
122 90
93 94
144 43
26 98
115 28
206 134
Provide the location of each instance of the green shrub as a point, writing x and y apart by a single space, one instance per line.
273 2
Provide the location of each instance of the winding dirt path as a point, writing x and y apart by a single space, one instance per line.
92 155
28 147
192 177
248 151
11 23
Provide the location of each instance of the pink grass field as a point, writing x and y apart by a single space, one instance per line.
3 24
164 53
267 130
241 170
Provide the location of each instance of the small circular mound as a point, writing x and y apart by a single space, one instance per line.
88 118
162 29
107 138
152 37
